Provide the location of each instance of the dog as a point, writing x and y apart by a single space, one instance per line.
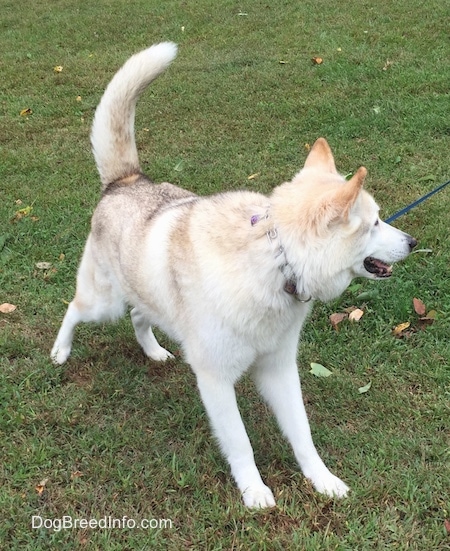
231 277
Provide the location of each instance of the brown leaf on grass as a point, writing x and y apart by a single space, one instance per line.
25 112
317 60
424 321
447 526
41 486
7 308
419 307
76 474
336 319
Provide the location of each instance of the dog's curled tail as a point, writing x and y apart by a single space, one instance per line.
112 136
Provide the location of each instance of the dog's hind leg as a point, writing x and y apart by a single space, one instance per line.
97 299
146 338
63 343
276 376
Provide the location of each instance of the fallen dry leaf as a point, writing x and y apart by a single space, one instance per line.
356 315
365 388
317 60
7 308
25 112
447 526
400 328
41 486
21 213
319 370
253 176
58 69
43 265
424 321
76 474
25 211
336 319
419 307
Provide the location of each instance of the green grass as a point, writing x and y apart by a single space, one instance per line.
115 434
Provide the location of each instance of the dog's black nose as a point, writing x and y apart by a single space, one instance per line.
412 242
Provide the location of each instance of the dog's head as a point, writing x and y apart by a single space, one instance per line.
331 228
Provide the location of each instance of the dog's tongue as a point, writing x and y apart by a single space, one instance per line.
377 267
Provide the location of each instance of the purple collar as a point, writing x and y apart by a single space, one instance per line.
286 269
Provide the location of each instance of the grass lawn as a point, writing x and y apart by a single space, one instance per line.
111 434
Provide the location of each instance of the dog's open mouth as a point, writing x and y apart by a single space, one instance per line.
377 267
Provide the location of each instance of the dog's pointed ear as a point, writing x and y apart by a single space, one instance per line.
350 190
321 157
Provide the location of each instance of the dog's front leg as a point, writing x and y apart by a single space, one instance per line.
219 398
276 376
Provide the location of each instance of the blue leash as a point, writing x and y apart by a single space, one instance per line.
406 209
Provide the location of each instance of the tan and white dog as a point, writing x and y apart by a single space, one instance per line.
231 277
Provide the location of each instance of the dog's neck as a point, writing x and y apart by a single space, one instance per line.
291 279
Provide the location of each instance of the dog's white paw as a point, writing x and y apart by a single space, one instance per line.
159 354
330 485
59 354
258 497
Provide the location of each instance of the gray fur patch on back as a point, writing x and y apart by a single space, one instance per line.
123 205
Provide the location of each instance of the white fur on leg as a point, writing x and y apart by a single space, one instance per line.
326 483
59 354
63 343
219 398
146 338
98 298
277 378
258 498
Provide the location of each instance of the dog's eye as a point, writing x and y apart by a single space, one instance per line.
377 222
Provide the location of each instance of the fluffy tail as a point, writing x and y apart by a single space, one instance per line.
112 135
